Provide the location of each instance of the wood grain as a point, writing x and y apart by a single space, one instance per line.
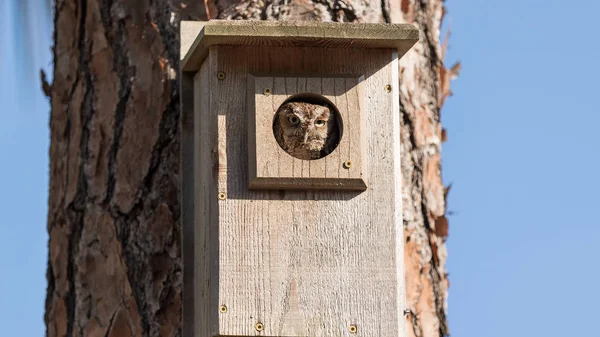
300 262
188 32
204 159
290 33
188 200
272 168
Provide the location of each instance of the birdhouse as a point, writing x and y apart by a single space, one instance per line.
291 181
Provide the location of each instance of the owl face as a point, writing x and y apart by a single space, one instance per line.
305 125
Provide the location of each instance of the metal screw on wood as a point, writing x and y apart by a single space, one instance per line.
222 196
221 75
352 328
267 91
223 308
347 164
407 312
259 326
388 88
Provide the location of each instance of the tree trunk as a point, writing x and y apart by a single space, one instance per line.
114 208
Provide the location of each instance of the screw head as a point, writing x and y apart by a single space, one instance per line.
267 91
223 308
259 326
388 88
347 164
222 196
353 328
221 75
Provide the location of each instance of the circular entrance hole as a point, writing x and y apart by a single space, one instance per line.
307 126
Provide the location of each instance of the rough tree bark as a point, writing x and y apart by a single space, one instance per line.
114 264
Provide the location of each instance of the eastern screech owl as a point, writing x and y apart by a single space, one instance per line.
306 130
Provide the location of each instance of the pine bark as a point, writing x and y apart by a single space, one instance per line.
114 265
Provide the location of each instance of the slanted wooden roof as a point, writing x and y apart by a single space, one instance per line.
198 36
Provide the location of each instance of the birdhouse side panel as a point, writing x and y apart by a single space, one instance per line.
206 215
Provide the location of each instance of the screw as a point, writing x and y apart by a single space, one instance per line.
222 196
407 312
223 308
221 75
259 326
267 91
388 88
352 328
347 164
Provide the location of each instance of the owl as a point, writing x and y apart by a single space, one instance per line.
306 130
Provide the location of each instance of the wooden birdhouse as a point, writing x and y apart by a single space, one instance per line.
291 178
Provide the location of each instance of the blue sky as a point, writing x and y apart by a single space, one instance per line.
522 155
24 141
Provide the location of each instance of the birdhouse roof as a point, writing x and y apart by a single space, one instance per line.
198 36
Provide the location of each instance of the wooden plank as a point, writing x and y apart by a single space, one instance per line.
341 102
332 161
266 165
399 227
305 264
272 168
188 158
356 152
251 90
316 168
289 167
206 211
302 164
278 96
292 33
188 32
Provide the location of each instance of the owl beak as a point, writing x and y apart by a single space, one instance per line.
305 137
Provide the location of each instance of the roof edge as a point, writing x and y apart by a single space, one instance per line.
198 36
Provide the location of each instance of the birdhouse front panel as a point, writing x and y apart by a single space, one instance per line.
295 179
305 132
304 261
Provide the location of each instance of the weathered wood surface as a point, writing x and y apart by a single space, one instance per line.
302 263
205 249
272 168
298 33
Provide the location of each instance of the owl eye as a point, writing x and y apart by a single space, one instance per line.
293 120
320 122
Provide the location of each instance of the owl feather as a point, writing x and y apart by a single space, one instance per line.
306 130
